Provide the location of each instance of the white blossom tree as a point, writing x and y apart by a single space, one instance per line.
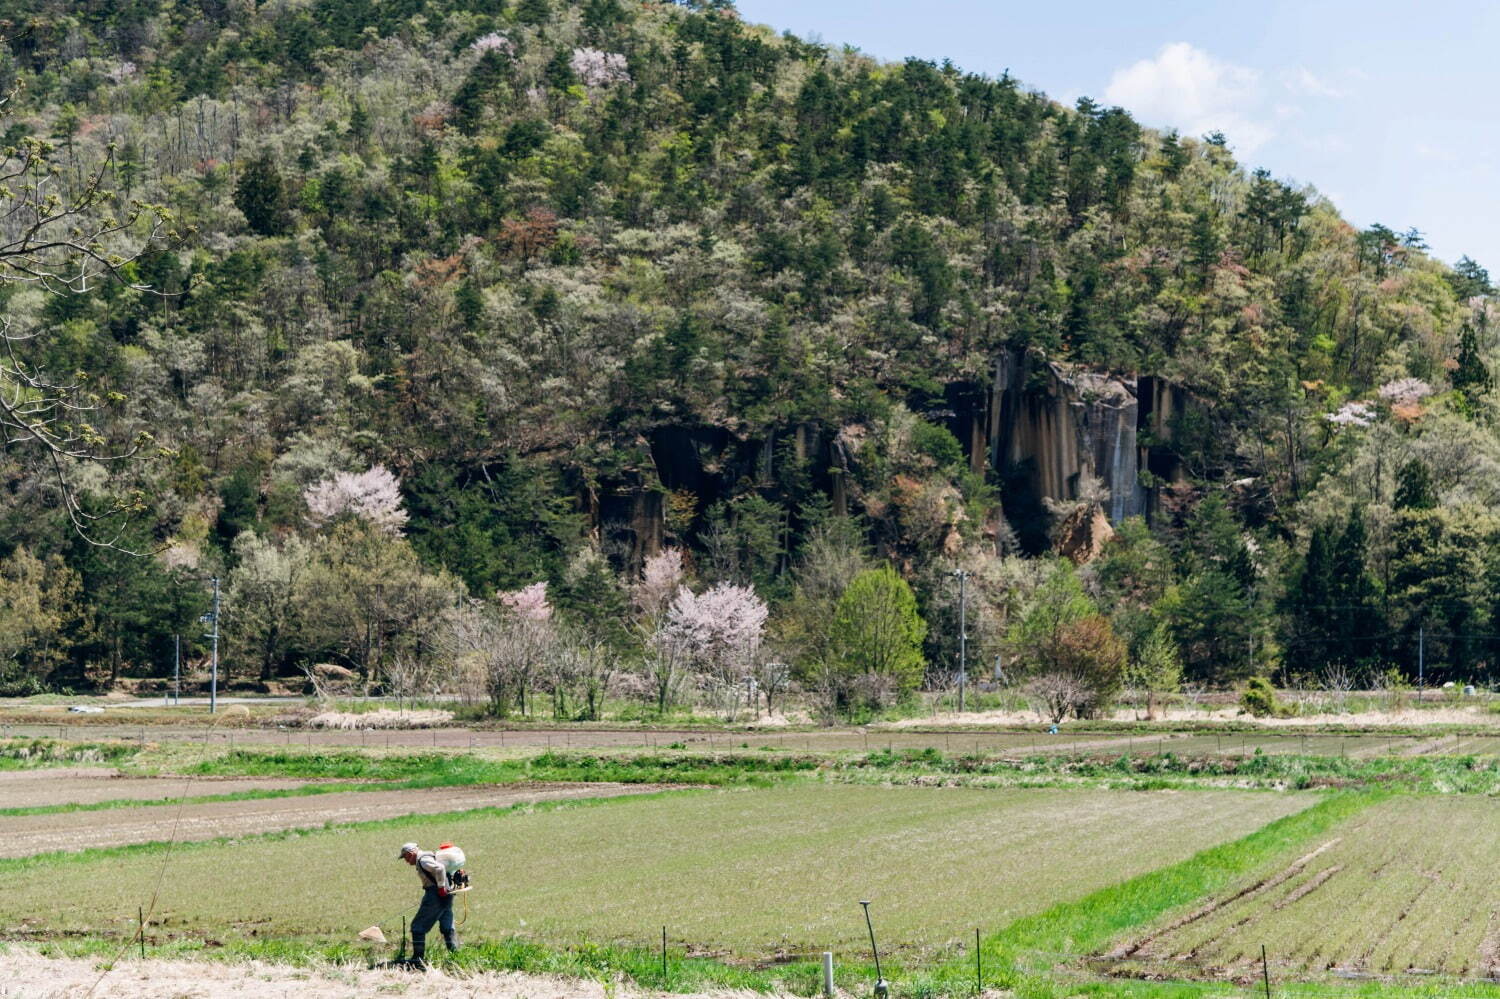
373 495
599 69
720 632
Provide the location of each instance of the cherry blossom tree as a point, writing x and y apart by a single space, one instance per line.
493 42
719 631
529 602
665 656
374 496
661 577
599 69
501 645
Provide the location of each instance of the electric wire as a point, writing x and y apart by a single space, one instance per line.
166 859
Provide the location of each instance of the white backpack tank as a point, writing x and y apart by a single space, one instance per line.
452 858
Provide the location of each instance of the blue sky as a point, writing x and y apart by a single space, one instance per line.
1385 107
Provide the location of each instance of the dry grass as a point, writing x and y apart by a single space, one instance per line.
24 972
381 719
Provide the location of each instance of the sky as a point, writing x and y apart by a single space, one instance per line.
1383 106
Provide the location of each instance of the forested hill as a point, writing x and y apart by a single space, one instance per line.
593 279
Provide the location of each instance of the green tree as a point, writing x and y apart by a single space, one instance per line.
1219 613
1066 650
876 633
1155 667
261 196
261 611
1472 375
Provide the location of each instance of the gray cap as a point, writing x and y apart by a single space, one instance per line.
408 848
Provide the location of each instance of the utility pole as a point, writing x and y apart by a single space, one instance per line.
1421 657
213 677
963 636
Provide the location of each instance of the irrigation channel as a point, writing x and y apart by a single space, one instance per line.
1007 743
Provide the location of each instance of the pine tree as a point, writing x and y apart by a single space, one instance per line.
260 196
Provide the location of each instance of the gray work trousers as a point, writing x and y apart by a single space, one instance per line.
434 909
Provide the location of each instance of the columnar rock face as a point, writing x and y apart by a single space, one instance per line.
1041 426
1058 423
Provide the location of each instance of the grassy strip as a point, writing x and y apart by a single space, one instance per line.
444 769
30 754
415 772
1438 774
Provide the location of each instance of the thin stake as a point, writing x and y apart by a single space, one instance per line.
978 964
140 912
664 954
1265 971
881 988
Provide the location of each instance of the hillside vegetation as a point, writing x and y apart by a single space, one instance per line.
470 295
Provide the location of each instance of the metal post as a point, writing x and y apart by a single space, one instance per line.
828 973
1421 658
177 670
213 675
882 988
963 636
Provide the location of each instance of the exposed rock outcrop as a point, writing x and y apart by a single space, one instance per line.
1082 535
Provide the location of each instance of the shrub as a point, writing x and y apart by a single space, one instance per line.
1259 698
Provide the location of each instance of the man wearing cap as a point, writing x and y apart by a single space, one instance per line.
437 902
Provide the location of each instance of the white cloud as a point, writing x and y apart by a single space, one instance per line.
1304 81
1188 89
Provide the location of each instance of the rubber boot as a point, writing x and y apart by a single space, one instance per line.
418 953
451 939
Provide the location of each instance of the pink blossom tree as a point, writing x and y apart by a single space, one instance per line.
529 602
665 656
661 577
374 496
719 631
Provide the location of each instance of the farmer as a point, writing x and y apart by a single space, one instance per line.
437 902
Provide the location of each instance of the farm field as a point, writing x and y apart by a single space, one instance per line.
743 873
1405 887
26 835
91 785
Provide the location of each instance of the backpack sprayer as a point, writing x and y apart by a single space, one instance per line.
453 861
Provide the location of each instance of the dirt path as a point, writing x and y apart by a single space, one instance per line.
31 834
89 785
23 973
